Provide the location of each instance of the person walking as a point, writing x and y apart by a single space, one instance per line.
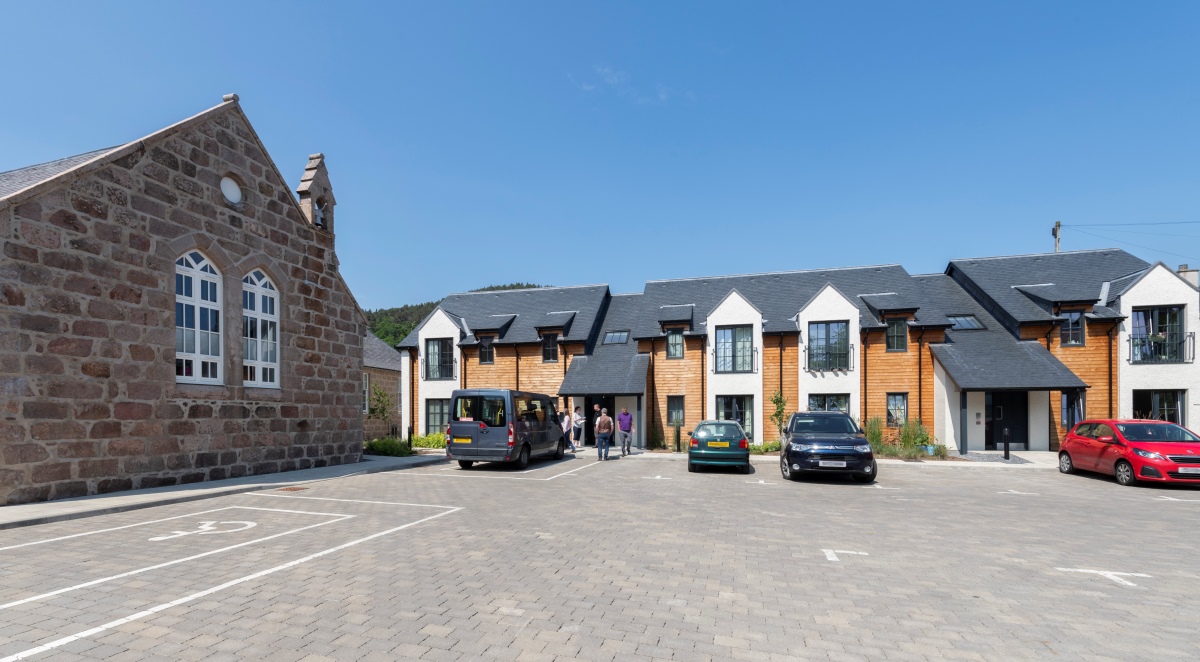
604 432
564 421
578 419
625 430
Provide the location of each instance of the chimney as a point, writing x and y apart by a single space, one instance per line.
1190 275
316 194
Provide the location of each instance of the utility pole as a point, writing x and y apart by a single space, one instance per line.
1056 231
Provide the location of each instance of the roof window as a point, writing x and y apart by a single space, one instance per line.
616 337
964 322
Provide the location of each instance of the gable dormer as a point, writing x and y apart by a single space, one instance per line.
316 194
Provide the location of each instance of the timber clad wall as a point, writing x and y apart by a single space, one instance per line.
1090 362
899 372
669 377
789 384
389 381
87 324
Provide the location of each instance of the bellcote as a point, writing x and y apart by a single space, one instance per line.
316 194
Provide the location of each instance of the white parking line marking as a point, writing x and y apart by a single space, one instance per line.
877 486
165 519
1167 498
58 643
382 503
207 528
832 554
1016 492
655 478
1115 576
757 482
402 474
167 564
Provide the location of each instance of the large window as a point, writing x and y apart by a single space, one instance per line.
735 349
675 410
829 402
829 346
675 343
1158 336
897 335
897 409
549 347
197 320
439 359
487 353
1071 331
738 408
260 331
1159 405
366 392
437 415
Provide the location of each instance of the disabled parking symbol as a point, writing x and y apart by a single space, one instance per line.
208 528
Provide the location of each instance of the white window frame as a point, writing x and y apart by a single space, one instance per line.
198 291
366 391
260 313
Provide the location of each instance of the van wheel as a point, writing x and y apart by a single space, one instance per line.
522 460
466 464
562 450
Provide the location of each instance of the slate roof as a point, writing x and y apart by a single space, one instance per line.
780 296
22 178
991 358
616 369
1025 287
518 314
378 354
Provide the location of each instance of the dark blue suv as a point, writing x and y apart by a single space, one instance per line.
826 442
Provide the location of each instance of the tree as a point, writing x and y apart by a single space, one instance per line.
379 405
391 325
780 414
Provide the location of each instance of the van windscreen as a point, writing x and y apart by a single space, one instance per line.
486 409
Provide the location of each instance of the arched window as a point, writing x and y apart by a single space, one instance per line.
260 331
197 320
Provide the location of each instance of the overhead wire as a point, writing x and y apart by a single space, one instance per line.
1129 243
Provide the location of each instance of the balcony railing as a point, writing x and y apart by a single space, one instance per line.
1163 348
440 370
826 358
735 363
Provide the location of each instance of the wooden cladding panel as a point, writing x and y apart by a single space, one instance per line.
908 372
1090 362
669 377
790 383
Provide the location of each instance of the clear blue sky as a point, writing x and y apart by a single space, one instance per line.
571 143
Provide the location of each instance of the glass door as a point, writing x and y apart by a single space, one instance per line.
738 408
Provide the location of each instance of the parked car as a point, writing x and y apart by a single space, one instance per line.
499 425
826 442
719 444
1132 450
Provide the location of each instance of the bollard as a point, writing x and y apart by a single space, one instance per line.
1006 443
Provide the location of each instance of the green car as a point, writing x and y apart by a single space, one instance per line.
719 444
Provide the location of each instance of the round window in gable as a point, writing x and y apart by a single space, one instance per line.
231 190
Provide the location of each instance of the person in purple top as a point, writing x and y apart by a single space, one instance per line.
625 427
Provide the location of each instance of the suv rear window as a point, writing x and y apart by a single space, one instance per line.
823 425
487 409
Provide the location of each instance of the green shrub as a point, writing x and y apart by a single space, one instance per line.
770 447
912 433
941 452
388 446
432 440
874 430
912 453
886 450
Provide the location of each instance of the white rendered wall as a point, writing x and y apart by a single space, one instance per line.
976 430
403 392
438 326
1039 417
736 311
947 426
830 306
1160 287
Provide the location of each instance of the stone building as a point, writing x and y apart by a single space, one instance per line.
120 272
384 369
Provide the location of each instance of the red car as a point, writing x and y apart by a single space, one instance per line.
1133 451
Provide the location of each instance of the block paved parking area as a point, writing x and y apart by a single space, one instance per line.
632 559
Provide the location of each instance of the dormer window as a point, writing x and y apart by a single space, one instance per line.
549 347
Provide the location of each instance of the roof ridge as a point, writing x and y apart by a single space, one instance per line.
777 273
529 289
1009 257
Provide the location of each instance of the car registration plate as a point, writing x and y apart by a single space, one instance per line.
833 463
718 444
1189 470
462 440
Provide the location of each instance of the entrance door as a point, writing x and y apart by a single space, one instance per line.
738 408
606 402
1006 410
